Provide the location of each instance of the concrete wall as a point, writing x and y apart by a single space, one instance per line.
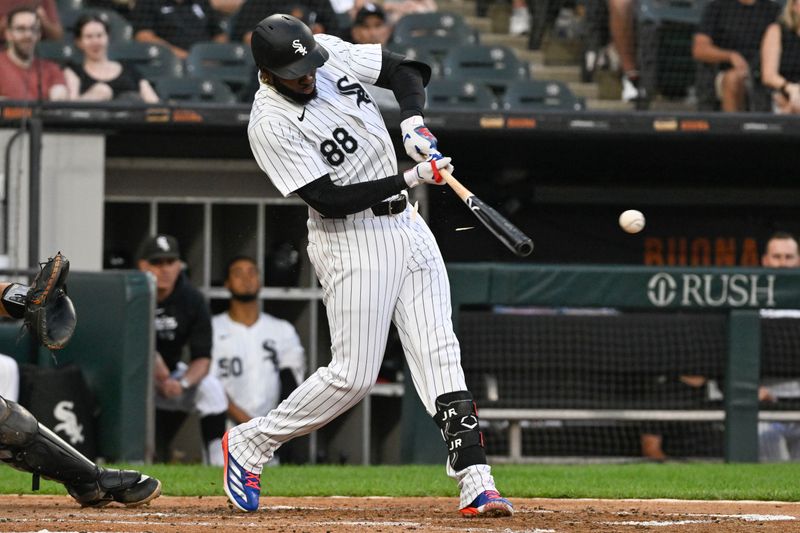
71 204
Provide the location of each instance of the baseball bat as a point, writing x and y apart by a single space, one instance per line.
506 232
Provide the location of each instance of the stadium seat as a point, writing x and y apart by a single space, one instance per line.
119 29
536 95
459 95
496 65
59 51
151 60
193 90
420 55
68 5
677 11
229 62
436 33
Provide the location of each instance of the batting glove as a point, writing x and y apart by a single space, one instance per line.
428 172
418 141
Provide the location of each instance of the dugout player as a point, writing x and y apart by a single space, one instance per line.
183 321
27 445
779 441
257 357
316 132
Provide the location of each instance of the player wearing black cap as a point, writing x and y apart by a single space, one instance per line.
182 321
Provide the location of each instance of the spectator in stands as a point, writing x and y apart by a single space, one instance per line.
257 357
729 36
369 26
520 21
396 9
227 8
183 321
779 441
621 25
317 14
23 76
177 23
98 78
46 10
780 59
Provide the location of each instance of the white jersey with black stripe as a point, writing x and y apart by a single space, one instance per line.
340 132
374 267
248 359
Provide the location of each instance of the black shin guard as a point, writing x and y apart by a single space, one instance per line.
31 447
27 445
457 417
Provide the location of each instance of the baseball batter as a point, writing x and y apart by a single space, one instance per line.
316 132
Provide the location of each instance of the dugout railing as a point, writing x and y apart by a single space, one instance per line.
714 315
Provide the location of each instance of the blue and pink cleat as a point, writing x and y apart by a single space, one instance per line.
488 504
242 486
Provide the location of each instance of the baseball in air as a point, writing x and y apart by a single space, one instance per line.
632 221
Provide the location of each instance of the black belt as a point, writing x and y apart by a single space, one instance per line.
392 207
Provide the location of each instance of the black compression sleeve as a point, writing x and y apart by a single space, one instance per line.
406 84
407 80
337 201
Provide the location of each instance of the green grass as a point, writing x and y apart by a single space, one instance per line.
680 481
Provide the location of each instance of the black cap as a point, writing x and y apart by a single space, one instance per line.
285 46
160 247
368 10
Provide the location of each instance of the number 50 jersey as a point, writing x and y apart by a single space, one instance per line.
248 360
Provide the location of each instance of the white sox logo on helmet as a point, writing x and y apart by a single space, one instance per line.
298 47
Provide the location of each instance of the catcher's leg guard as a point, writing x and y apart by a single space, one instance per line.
31 447
457 417
27 445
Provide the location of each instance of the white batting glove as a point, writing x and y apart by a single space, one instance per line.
418 141
424 172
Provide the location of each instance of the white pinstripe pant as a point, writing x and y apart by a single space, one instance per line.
373 270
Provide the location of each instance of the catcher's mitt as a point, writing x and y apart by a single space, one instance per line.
49 313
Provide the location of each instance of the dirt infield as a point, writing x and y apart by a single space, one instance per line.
29 513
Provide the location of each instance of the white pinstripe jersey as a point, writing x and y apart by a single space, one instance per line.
248 359
340 132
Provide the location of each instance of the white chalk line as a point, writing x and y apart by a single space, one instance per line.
702 518
420 525
89 520
747 517
669 500
657 523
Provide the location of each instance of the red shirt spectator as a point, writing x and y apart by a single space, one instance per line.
18 83
47 10
23 76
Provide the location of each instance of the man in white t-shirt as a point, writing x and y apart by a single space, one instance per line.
258 358
9 378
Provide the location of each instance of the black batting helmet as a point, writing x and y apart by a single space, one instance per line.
285 46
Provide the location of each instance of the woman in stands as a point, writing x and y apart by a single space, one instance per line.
780 59
98 78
